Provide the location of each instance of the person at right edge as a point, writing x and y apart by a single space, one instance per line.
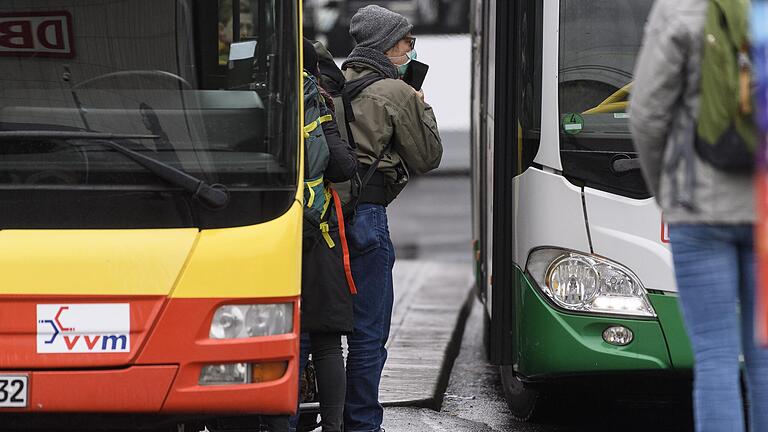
395 124
709 210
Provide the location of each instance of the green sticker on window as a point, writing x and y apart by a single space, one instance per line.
573 123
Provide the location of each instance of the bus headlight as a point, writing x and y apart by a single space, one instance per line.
223 374
588 283
269 319
244 321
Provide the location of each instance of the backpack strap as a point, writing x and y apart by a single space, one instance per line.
352 89
314 125
311 184
371 171
343 110
344 246
325 228
745 80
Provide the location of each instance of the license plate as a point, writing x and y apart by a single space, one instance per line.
13 391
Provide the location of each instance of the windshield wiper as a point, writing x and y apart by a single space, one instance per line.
216 196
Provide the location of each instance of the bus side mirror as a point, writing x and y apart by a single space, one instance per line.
240 68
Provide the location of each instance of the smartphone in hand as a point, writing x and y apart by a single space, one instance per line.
415 74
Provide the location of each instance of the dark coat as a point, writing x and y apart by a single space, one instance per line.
326 300
342 164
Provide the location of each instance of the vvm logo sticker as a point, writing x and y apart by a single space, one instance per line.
83 328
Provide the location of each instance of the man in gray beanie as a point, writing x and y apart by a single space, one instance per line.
378 28
396 136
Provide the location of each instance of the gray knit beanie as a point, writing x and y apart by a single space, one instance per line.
378 28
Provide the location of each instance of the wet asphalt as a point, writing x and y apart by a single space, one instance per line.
474 402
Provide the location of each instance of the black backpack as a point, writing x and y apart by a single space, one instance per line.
343 93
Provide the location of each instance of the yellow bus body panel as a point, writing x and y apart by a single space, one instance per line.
256 261
92 262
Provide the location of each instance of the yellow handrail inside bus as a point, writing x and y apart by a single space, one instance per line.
617 102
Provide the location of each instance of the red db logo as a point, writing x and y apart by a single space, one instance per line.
39 34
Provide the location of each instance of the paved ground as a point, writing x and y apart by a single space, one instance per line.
423 326
455 153
431 220
474 402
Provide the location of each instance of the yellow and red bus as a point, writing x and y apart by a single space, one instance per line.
150 211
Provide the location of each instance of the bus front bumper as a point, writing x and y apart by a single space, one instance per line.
554 343
152 389
164 376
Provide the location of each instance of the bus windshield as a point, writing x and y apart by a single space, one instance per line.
206 89
599 43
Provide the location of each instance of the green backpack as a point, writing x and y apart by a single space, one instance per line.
317 197
318 194
726 135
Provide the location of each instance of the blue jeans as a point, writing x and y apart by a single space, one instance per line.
715 271
373 257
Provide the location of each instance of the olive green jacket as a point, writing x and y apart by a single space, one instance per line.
390 111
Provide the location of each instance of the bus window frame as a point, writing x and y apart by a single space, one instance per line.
212 75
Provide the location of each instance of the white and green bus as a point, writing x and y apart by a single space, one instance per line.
571 255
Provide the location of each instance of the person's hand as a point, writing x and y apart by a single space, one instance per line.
420 93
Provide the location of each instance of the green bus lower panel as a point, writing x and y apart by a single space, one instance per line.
671 319
551 342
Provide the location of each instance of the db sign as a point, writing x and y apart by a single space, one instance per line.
39 34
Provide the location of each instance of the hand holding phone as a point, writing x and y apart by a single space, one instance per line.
416 73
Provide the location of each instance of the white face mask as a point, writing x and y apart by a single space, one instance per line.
410 55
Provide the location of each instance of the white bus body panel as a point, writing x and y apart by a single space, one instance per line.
548 212
549 149
630 232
